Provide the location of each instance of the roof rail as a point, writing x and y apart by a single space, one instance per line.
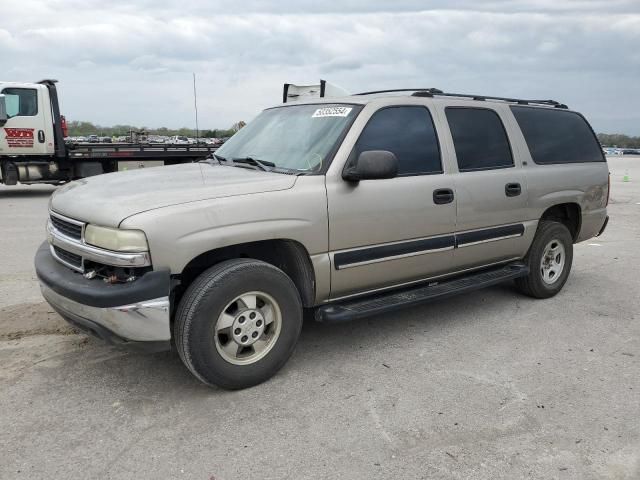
431 92
425 90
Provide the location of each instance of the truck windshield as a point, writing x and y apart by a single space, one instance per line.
297 137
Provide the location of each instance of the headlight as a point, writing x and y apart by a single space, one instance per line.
116 239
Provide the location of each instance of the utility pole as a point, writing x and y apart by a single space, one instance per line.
195 106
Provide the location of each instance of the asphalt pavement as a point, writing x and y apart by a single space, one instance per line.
491 385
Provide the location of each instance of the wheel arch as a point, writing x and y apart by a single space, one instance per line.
290 256
569 214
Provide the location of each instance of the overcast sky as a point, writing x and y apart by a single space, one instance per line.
130 61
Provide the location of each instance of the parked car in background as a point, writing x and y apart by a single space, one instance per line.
178 140
613 151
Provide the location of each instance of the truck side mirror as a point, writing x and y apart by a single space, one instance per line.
3 110
372 165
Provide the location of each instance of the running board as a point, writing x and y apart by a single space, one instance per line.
394 300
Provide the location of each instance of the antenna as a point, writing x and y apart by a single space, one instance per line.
195 106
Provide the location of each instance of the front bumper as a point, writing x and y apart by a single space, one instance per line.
135 313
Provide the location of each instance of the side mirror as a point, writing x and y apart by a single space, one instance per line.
373 165
3 110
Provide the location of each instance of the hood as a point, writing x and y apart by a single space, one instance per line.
109 199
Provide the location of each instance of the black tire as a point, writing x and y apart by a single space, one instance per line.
205 300
533 284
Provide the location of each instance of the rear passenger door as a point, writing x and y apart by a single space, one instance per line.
490 187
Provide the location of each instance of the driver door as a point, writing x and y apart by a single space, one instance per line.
387 232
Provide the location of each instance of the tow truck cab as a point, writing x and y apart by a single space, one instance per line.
31 136
28 123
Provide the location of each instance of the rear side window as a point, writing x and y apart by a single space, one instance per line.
409 133
557 136
21 102
479 138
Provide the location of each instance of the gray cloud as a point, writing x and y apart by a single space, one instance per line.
131 62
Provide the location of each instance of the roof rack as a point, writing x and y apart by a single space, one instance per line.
431 92
426 90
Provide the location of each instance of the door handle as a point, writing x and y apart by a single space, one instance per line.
41 136
512 189
442 196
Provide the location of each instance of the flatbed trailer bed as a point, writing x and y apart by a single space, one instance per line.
147 150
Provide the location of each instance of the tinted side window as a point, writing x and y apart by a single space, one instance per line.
21 102
557 136
479 138
409 133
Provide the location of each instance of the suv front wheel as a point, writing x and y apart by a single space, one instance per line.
549 261
238 323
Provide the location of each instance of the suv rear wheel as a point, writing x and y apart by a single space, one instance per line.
238 323
549 260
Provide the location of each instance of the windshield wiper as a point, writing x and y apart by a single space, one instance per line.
261 164
213 157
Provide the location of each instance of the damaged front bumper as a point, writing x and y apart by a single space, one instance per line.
135 314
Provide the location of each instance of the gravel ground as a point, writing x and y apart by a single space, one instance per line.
491 385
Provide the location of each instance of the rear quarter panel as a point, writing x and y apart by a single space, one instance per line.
581 183
585 184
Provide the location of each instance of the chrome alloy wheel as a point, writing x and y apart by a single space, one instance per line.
248 328
552 263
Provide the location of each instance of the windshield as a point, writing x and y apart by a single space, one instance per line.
298 137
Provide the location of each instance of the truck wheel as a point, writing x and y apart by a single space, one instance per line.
549 260
238 323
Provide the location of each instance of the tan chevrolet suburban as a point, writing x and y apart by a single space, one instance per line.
347 206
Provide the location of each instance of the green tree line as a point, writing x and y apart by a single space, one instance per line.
618 140
82 129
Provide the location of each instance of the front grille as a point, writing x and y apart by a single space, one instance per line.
67 228
70 258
